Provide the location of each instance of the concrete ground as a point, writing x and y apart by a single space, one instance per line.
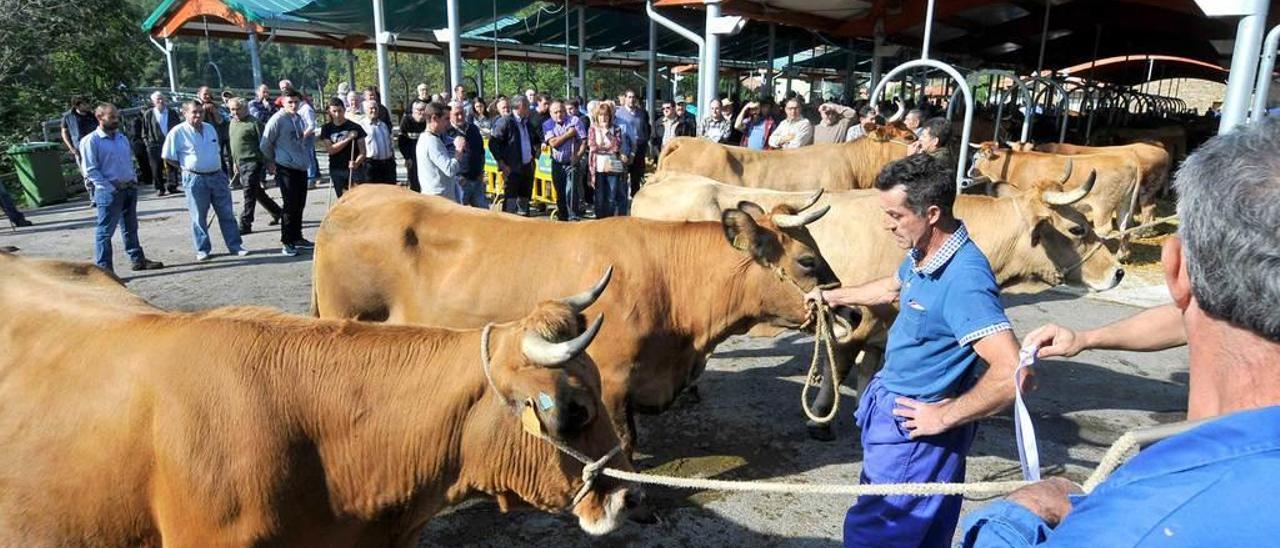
747 426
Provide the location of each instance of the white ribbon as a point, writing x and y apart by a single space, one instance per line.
1028 453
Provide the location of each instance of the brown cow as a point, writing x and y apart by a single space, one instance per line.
123 424
829 166
1153 162
1117 175
385 253
1034 240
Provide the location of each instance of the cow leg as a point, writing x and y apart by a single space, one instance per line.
828 392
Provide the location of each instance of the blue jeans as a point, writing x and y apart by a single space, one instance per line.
568 193
313 171
211 190
612 196
890 456
116 207
473 193
10 209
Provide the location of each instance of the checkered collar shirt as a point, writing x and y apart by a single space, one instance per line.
944 254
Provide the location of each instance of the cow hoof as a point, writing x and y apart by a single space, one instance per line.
820 432
693 395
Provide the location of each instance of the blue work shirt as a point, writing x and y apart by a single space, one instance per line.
1205 487
107 161
755 134
197 151
945 305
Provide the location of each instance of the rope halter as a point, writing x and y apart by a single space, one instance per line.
591 468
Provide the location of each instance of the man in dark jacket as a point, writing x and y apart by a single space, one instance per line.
515 144
411 126
671 124
471 172
156 124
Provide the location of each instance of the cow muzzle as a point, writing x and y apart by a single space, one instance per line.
602 513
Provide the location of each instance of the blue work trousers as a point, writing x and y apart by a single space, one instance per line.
116 207
890 456
211 190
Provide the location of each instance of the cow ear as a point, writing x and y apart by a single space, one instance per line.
751 208
745 234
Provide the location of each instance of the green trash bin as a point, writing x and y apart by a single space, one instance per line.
39 168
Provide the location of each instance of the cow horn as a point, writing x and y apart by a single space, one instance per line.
902 111
1066 172
975 146
812 200
800 219
553 354
582 300
1070 197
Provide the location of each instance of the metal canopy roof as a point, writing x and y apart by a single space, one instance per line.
1007 33
972 33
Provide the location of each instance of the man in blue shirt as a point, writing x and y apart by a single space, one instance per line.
106 158
1207 486
194 148
917 414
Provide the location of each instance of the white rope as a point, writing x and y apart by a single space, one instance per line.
1113 458
484 361
822 340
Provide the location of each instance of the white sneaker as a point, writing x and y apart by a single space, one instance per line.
289 251
242 252
202 256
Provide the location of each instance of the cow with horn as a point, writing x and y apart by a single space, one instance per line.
249 427
678 289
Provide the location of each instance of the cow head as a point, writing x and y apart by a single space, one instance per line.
543 384
1056 243
781 259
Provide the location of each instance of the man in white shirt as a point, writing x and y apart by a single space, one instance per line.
795 131
380 154
194 148
309 132
437 167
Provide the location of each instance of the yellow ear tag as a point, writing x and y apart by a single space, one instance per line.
529 419
741 242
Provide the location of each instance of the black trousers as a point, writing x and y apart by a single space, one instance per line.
635 171
162 176
517 189
293 192
411 165
381 171
251 174
144 166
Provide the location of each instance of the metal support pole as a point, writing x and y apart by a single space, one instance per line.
968 103
1262 91
455 45
1091 92
351 70
651 85
582 51
674 27
708 76
380 41
877 62
767 84
568 76
254 60
1044 36
791 59
1244 66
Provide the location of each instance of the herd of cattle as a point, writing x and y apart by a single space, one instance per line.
443 334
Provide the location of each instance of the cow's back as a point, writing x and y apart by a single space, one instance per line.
829 166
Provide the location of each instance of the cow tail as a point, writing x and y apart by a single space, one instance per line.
1133 200
315 305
